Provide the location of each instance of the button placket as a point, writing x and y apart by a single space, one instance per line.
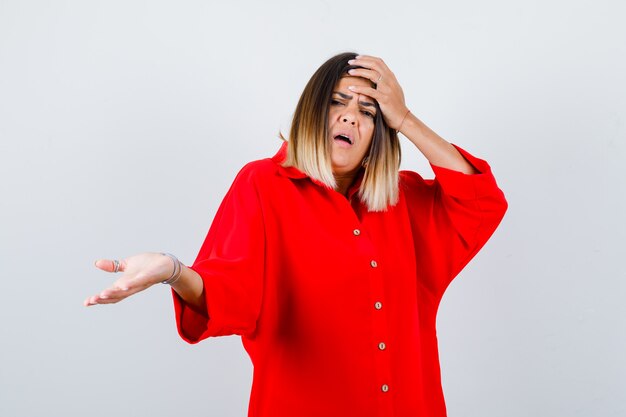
381 332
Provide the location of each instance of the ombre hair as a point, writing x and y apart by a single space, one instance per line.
309 148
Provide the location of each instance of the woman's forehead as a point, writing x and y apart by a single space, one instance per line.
348 80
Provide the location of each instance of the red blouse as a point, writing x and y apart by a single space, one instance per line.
336 305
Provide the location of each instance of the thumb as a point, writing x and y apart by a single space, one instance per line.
108 265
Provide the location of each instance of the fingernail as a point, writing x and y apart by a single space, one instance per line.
351 88
125 288
103 296
351 71
351 61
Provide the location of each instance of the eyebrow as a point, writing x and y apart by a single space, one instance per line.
349 97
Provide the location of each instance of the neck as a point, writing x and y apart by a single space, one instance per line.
344 181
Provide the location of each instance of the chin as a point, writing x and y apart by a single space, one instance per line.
343 169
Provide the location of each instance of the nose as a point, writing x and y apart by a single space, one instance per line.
349 115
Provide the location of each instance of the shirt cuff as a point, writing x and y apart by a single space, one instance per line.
192 325
466 186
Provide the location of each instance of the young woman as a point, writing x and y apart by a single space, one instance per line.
328 261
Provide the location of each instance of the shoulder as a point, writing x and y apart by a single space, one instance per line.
259 173
409 180
272 169
261 167
415 190
409 177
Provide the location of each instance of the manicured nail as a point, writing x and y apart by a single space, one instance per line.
352 71
351 61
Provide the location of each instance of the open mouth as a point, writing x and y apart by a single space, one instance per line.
344 138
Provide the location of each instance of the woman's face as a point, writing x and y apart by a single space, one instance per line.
350 126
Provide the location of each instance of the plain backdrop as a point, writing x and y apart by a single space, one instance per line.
123 123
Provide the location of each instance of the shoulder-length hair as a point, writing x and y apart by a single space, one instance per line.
309 148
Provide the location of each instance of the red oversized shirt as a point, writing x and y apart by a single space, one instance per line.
336 305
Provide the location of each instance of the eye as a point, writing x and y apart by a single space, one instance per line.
334 102
369 114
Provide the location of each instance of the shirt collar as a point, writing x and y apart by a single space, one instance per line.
289 172
293 172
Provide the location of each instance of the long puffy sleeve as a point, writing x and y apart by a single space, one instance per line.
452 217
231 264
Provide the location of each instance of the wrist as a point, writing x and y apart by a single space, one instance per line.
177 269
399 128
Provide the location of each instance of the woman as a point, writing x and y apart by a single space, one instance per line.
329 262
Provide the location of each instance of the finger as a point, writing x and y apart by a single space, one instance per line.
371 63
112 292
110 300
108 265
122 290
370 66
368 91
91 301
130 283
105 297
117 296
373 76
369 57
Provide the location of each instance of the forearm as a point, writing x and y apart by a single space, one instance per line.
191 289
437 150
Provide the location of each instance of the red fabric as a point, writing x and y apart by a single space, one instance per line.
284 268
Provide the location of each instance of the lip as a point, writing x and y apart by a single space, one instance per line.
344 133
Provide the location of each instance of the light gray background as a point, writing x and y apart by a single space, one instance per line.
122 124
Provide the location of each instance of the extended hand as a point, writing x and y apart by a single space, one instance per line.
137 273
387 93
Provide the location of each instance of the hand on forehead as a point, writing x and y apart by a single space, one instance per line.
345 82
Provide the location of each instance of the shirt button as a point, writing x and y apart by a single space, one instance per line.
378 305
382 346
374 264
385 388
356 232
